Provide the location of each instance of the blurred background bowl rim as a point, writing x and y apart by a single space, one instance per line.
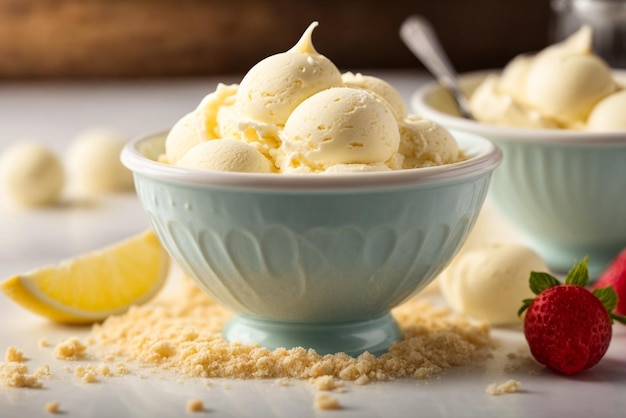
488 157
421 106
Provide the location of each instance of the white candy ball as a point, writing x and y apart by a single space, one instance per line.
31 174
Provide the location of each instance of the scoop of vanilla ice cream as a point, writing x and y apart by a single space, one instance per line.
566 80
488 283
93 162
424 143
513 77
31 174
609 114
380 87
340 125
276 85
208 109
262 136
183 136
302 115
225 154
201 124
490 105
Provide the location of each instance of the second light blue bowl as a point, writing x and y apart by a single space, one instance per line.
565 190
313 260
570 199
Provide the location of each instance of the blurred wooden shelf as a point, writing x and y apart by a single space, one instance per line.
115 38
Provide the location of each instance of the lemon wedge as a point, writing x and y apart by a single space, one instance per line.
90 287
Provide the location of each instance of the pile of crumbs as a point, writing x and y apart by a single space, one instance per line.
182 334
15 373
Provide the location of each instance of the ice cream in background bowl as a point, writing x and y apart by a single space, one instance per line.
559 117
312 208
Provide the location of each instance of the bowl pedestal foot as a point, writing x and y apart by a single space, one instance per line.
374 335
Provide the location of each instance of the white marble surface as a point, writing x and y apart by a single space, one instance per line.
54 113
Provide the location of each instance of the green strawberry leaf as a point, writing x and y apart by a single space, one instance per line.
619 318
541 281
579 274
607 296
525 304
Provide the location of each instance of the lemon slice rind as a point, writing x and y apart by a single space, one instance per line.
42 290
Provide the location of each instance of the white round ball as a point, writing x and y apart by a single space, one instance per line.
93 162
32 174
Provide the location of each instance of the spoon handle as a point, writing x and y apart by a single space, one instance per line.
420 38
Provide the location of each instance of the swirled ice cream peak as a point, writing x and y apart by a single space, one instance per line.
305 43
272 89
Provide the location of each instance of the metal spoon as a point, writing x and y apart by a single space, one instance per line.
420 38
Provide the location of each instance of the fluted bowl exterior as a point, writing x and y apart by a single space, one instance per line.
307 249
569 199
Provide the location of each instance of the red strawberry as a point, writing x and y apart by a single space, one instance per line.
615 276
568 327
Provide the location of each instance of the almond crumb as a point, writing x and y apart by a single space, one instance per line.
14 355
362 380
325 383
510 386
51 407
14 374
70 349
43 371
90 377
195 405
324 401
120 368
104 370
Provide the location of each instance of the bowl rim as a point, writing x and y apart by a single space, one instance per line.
507 134
488 156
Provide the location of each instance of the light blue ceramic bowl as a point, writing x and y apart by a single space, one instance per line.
566 190
313 260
